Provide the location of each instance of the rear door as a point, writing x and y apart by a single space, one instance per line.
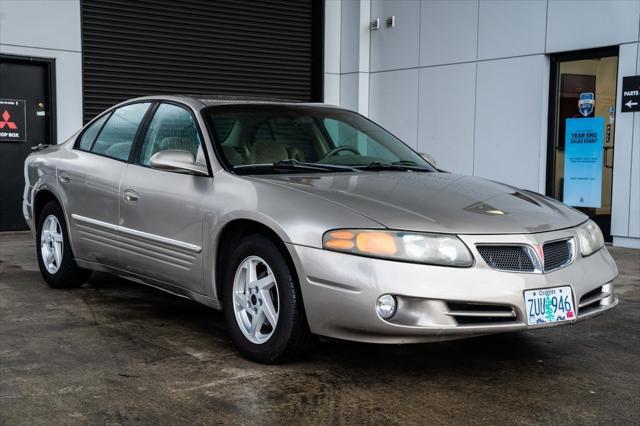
89 181
161 211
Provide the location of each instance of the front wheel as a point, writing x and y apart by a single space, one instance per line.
55 258
262 303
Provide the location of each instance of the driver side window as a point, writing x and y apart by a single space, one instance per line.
172 127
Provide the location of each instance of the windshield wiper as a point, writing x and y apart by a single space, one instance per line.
292 164
383 165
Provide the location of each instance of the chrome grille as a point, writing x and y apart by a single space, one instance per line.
557 254
507 258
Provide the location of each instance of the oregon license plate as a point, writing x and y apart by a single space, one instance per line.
547 305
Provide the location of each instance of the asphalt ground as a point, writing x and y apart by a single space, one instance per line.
116 352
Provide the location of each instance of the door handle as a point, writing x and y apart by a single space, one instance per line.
64 178
130 196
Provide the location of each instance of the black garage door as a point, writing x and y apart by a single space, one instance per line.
269 48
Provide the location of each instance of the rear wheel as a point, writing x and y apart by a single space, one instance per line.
55 258
262 303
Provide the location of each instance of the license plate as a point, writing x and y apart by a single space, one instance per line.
547 305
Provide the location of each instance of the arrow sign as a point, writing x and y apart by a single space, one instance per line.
630 94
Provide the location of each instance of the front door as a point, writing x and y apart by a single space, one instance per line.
581 137
161 211
25 121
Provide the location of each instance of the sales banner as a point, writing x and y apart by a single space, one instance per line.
13 121
583 162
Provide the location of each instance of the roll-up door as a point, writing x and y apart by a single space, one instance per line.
267 48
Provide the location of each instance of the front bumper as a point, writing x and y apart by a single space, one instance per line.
340 293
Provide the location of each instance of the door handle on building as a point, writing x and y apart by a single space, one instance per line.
130 196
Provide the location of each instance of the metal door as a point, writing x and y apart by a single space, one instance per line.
25 121
89 182
161 225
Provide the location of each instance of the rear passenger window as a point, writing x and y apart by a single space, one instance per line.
117 135
89 135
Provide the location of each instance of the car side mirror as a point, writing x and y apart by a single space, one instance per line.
429 159
177 160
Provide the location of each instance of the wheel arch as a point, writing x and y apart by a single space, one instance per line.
40 198
230 233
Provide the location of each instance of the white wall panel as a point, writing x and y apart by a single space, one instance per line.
41 23
332 26
625 132
394 103
573 25
349 91
349 36
332 89
634 184
510 123
446 115
511 28
448 31
397 47
634 195
68 86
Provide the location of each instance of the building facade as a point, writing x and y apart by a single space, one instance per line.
493 88
486 87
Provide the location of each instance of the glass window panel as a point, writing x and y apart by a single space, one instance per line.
117 135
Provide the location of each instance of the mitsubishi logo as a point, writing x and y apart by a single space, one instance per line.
5 121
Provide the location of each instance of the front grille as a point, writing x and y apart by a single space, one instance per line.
507 258
477 313
557 254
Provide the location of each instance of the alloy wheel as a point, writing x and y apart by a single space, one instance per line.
256 299
51 244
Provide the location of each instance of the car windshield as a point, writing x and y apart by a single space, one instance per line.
254 139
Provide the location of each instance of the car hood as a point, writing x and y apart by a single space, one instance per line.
436 202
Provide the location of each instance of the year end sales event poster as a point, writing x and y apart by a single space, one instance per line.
583 162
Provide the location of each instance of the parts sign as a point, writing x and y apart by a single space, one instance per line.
630 94
13 121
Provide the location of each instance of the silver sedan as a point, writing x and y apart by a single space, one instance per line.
306 219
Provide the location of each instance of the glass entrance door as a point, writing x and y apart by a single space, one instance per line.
581 132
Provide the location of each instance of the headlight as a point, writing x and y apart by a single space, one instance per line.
434 249
590 237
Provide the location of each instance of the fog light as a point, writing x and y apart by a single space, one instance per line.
386 306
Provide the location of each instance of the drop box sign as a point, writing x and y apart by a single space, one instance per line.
583 162
12 120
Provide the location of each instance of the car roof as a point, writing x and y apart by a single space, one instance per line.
211 100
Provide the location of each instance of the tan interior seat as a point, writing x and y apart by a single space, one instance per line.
232 155
266 152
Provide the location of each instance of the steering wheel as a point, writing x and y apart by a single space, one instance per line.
335 151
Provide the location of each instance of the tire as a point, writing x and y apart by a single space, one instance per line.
60 270
291 336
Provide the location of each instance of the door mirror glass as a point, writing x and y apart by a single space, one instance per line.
179 161
429 159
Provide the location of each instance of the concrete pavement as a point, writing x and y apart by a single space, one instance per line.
116 352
